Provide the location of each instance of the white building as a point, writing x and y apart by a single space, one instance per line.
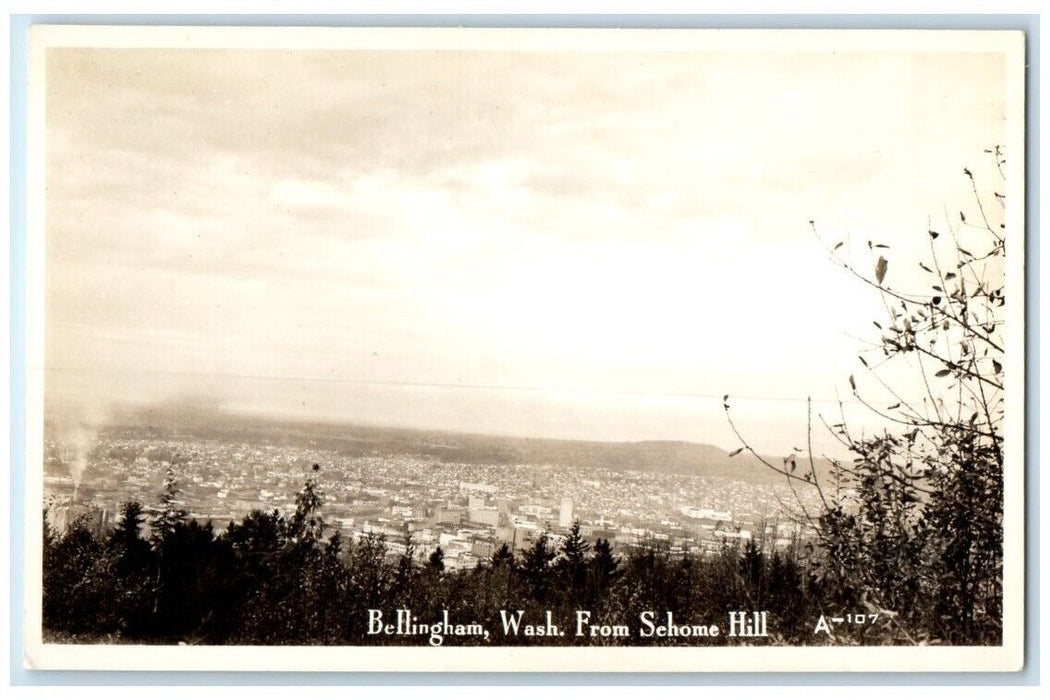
565 513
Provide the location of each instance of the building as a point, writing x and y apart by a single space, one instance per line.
448 515
706 514
472 487
565 513
483 515
483 549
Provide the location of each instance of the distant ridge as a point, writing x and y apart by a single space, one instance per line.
654 456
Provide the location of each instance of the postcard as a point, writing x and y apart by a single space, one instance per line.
524 349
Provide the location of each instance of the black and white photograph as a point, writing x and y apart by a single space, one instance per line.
525 349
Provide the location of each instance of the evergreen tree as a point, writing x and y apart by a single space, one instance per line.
572 565
255 544
170 513
605 567
370 574
128 530
536 566
405 568
165 522
133 565
78 595
436 563
50 537
307 522
502 557
752 570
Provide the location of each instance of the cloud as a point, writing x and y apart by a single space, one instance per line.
613 221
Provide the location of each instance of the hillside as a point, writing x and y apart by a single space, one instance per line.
670 457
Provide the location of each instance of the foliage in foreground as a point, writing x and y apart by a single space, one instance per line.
915 520
272 578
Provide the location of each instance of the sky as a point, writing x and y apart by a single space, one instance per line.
583 245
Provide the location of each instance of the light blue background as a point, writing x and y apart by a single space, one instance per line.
19 35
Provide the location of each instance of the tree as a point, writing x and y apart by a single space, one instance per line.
370 575
133 565
913 525
406 567
307 523
752 565
78 593
572 565
165 522
130 525
170 513
503 557
536 565
605 567
436 563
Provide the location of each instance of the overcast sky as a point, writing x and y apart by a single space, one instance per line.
572 245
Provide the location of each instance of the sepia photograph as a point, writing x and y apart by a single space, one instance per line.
525 349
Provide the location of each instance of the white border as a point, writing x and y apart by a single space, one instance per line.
1008 657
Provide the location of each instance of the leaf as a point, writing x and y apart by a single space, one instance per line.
925 268
837 246
896 405
936 300
881 245
943 373
735 452
962 216
853 384
996 366
933 234
880 269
